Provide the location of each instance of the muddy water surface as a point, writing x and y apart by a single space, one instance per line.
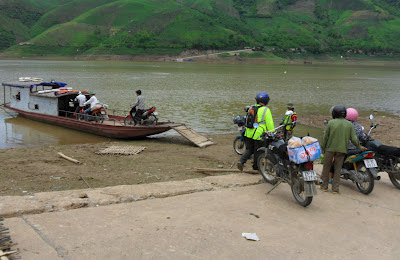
204 96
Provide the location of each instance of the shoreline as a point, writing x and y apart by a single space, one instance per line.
164 159
211 58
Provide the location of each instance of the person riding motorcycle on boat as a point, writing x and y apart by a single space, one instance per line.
252 136
81 99
138 107
335 144
93 102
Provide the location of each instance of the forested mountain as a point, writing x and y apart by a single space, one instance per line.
130 27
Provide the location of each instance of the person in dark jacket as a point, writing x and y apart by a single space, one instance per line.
334 145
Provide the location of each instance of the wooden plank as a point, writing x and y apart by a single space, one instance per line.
193 136
68 158
207 170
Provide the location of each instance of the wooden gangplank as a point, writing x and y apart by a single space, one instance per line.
193 136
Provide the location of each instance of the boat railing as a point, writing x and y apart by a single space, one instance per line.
99 119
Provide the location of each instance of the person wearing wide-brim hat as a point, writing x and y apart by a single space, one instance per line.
289 118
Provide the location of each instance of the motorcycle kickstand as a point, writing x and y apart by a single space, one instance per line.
276 185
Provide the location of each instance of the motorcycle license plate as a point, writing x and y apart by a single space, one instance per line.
310 175
370 163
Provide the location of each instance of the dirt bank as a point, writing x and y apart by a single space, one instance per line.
38 169
35 169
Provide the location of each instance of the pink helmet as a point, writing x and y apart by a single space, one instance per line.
352 114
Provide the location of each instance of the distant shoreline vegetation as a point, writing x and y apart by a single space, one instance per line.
166 55
281 29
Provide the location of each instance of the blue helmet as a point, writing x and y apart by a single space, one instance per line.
262 97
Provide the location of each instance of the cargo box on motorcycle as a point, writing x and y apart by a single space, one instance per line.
304 152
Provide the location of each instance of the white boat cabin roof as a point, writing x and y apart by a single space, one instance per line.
22 84
48 90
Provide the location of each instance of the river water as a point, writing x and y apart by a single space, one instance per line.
203 96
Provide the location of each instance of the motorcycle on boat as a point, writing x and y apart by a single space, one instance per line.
149 117
387 157
276 167
98 113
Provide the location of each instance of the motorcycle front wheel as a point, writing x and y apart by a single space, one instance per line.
395 178
239 145
101 118
298 192
128 121
266 167
367 186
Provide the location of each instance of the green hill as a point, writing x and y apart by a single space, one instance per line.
139 27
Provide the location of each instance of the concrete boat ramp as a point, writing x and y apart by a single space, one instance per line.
205 219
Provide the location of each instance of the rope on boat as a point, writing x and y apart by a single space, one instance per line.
5 110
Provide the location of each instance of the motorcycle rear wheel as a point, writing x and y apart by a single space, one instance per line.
128 121
266 167
395 178
239 146
366 187
299 194
152 120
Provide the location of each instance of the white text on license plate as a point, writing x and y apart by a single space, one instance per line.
310 175
370 163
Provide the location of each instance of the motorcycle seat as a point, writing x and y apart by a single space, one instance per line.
352 152
389 150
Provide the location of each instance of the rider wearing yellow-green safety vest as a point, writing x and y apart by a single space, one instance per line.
290 117
252 136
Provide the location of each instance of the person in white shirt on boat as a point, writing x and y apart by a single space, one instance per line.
93 102
81 99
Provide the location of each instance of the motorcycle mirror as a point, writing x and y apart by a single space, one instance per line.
371 116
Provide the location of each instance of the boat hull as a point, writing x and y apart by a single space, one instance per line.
113 128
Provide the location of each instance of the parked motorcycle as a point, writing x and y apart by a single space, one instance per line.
361 168
275 167
387 157
149 117
238 144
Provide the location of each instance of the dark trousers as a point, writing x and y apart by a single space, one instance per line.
338 159
78 109
138 115
251 148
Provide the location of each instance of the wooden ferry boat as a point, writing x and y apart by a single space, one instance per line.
52 103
